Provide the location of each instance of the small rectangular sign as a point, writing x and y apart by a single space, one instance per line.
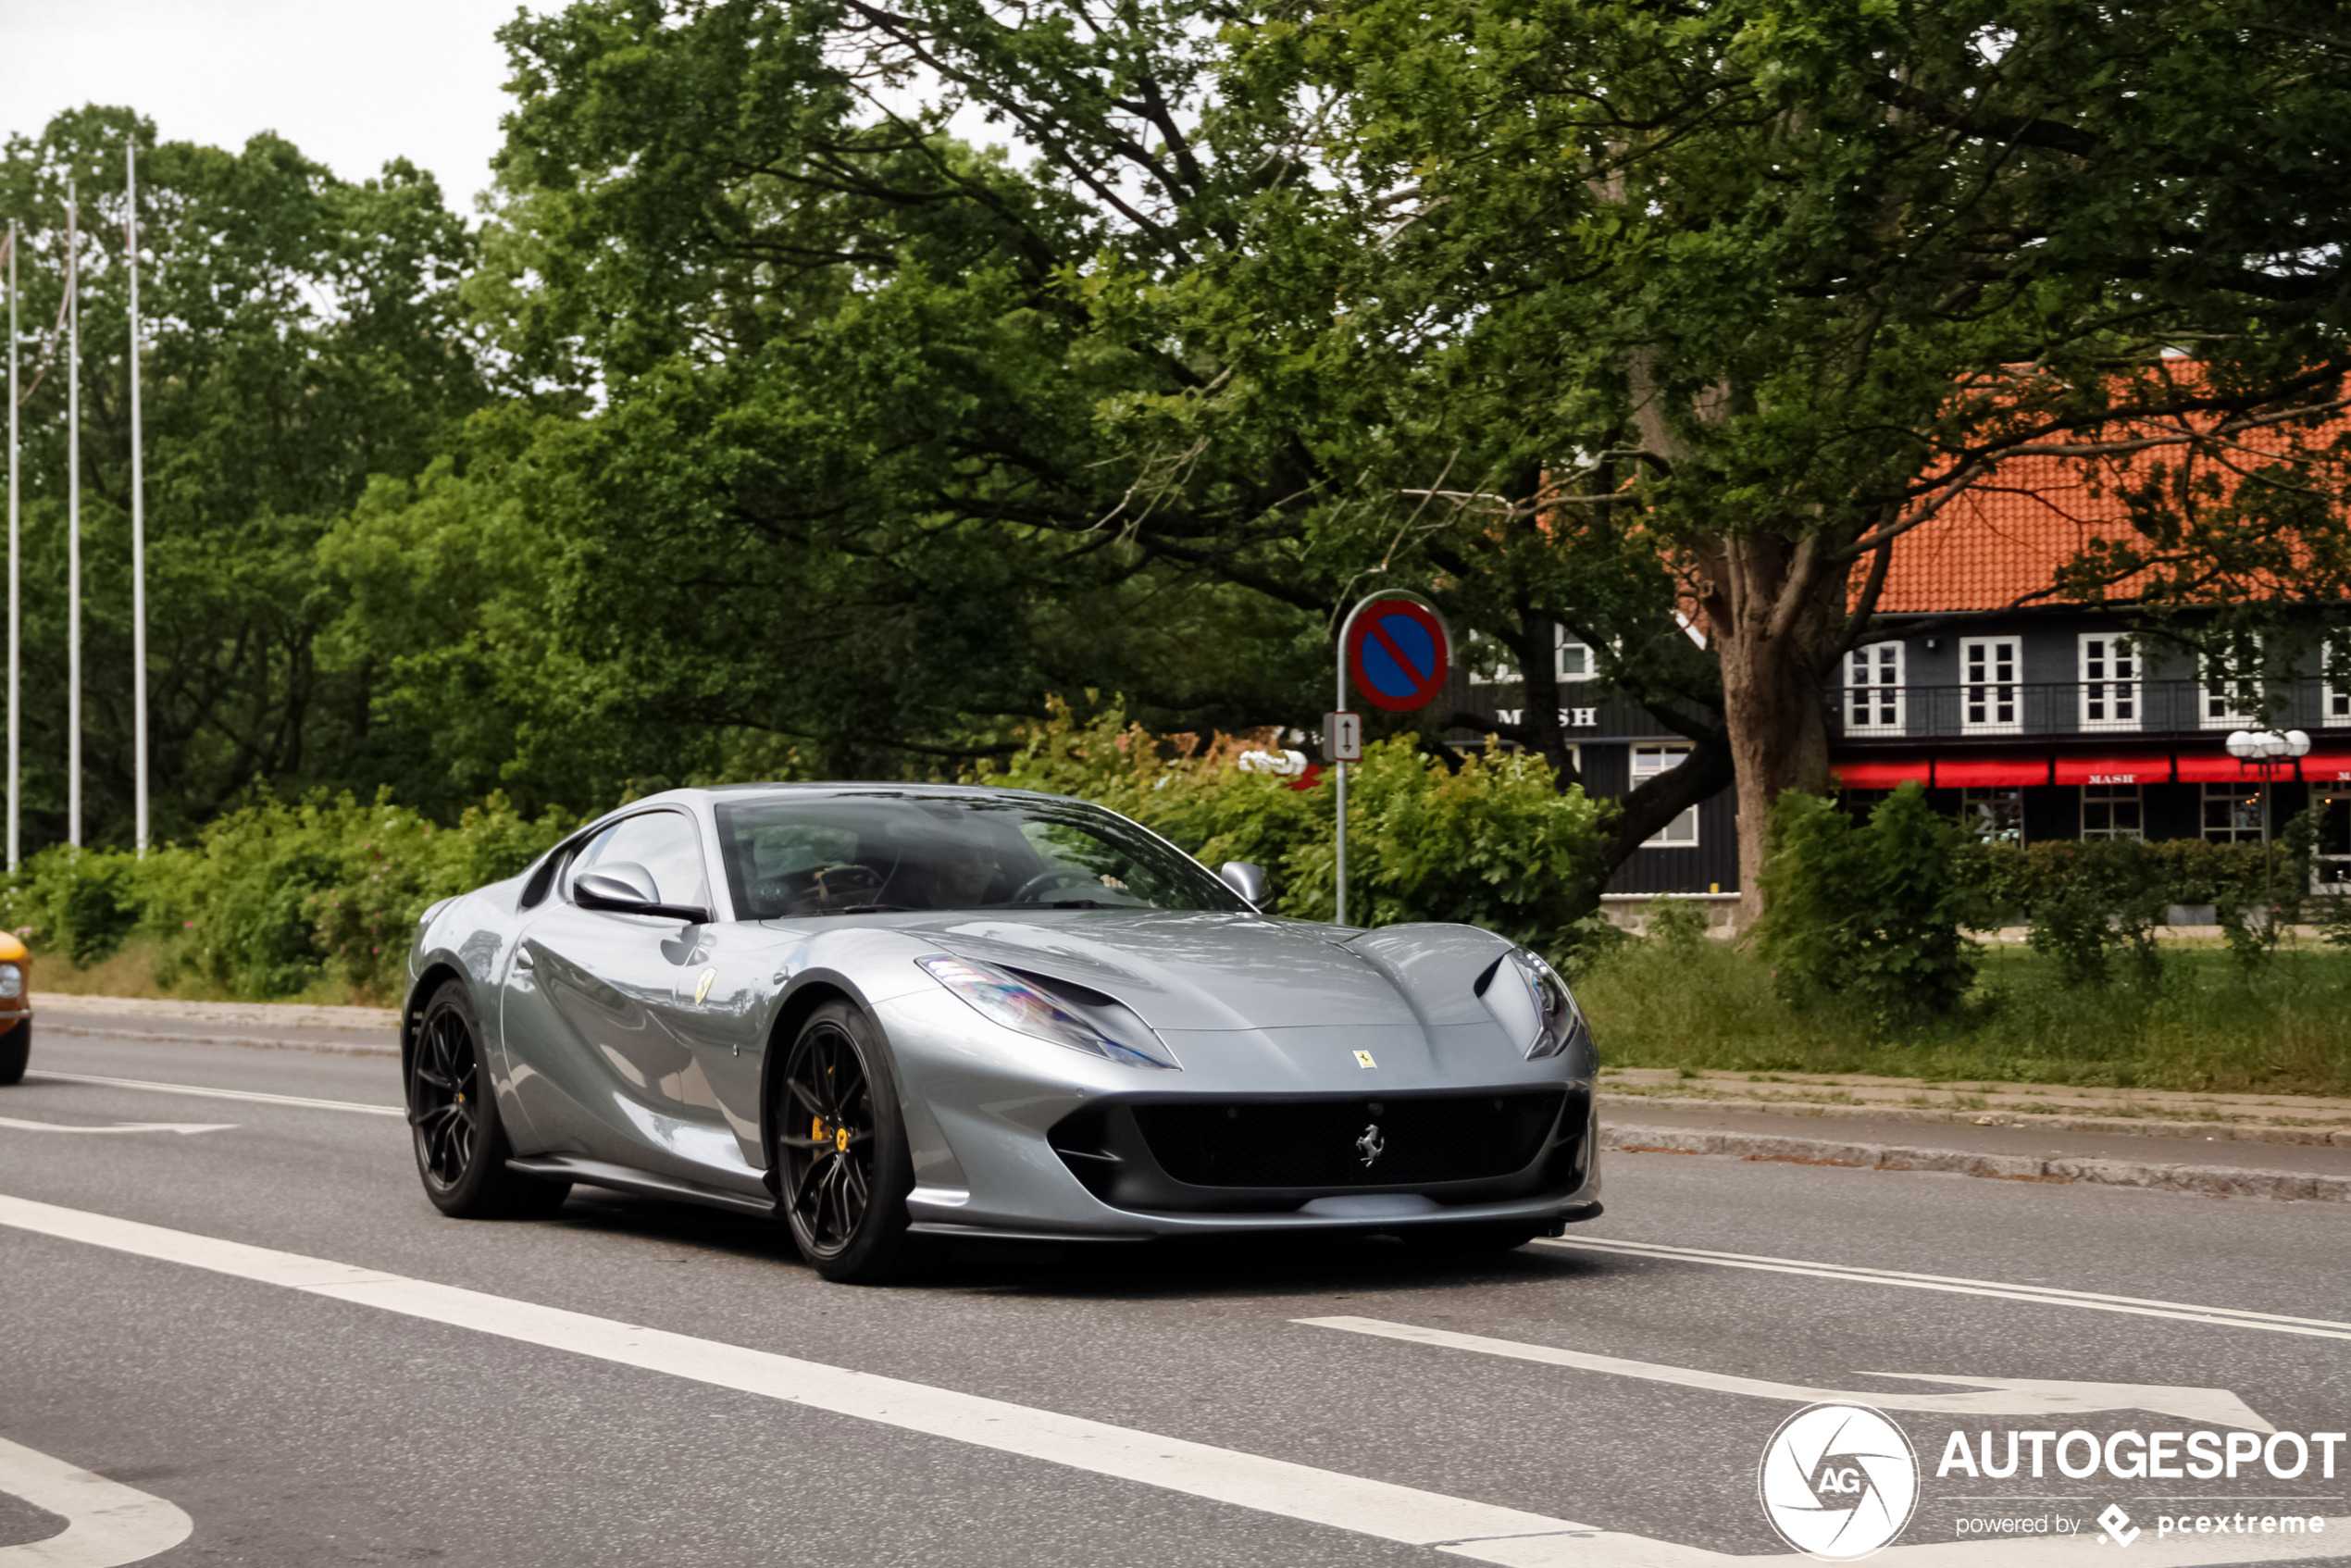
1343 736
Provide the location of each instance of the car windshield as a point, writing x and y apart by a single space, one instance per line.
790 855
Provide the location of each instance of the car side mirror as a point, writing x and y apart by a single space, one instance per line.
628 888
1247 879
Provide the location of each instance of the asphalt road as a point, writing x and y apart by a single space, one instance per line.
297 1413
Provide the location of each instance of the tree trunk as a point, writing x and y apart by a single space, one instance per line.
1775 617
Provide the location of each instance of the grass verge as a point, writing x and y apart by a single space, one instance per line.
136 969
2206 1026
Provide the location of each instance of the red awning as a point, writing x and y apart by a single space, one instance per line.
1880 775
2327 767
1954 773
2113 770
2222 768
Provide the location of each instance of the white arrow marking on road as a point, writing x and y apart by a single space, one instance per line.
107 1524
1382 1510
120 1126
1991 1396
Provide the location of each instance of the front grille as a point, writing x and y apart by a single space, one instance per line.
1314 1143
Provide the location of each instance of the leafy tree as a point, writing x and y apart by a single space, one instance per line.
900 438
302 336
1760 285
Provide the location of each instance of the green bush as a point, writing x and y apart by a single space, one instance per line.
276 897
1495 844
2089 902
1869 910
80 902
1679 924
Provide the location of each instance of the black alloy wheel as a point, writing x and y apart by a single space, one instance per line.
452 1121
842 1161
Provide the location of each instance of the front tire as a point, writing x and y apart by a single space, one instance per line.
16 1049
842 1161
452 1121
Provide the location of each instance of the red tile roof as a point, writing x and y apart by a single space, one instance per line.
2000 542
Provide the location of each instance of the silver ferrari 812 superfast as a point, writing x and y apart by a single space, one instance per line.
888 1014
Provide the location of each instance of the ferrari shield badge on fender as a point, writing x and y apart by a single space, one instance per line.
701 986
1364 1059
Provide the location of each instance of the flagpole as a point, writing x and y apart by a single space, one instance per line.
15 625
138 517
73 520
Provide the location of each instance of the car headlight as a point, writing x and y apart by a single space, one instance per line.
1527 997
11 981
1002 997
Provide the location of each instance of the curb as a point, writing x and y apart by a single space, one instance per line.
2307 1135
2211 1181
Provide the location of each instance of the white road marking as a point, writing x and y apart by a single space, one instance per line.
107 1524
1990 1396
2092 1301
1459 1526
206 1091
119 1127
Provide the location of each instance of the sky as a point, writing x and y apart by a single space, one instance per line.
351 82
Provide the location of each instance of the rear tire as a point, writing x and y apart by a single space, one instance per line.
16 1049
452 1121
841 1158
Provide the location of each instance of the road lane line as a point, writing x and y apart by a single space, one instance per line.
253 1094
1458 1527
2047 1295
107 1524
1297 1491
1985 1396
182 1127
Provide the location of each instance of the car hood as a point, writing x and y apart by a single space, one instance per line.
1192 971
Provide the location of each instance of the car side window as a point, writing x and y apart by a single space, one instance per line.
664 842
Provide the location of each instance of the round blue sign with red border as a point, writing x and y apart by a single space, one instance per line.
1398 655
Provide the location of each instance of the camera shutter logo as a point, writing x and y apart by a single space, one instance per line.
1838 1481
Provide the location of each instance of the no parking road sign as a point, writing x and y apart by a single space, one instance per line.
1397 654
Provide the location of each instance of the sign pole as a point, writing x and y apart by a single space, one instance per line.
138 515
1341 767
73 520
1398 663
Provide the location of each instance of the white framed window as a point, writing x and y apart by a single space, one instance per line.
1873 690
2233 812
2226 700
1648 761
1993 813
2334 695
2109 682
2112 811
1991 693
1571 660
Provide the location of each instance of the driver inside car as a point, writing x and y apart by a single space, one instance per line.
964 875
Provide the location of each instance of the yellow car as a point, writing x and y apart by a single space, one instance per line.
16 1009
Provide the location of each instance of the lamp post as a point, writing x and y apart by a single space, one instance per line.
2266 751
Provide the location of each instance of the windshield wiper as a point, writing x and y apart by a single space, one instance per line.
867 909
